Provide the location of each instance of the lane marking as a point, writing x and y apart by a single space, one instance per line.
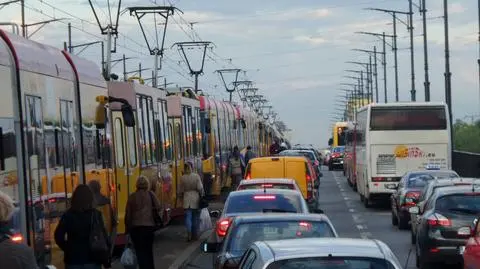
361 227
351 210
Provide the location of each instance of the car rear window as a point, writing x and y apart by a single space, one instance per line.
332 263
338 149
247 233
466 203
256 203
442 175
266 186
419 181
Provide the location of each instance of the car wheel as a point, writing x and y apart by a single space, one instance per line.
394 219
402 223
330 167
362 198
344 173
355 187
412 238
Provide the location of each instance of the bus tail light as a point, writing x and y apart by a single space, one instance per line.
18 238
377 179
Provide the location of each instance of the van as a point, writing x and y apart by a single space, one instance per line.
296 168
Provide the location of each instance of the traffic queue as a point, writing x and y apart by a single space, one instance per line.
400 155
273 220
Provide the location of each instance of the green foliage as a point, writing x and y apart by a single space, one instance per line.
467 136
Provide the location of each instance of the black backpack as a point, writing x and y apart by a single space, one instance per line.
98 240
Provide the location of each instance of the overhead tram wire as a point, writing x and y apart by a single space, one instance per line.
101 38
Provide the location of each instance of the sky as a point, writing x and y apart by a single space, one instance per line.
295 51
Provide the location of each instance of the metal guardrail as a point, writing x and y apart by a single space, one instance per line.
466 164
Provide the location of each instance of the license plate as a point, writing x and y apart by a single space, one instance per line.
390 186
269 230
461 250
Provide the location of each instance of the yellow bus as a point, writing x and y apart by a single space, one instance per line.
338 134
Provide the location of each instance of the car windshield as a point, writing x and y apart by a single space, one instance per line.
257 203
419 181
338 150
466 203
247 233
332 263
266 186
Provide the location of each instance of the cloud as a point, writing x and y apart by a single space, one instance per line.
456 8
310 40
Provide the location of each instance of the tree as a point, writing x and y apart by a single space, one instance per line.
466 136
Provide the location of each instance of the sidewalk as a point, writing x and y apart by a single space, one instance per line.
171 249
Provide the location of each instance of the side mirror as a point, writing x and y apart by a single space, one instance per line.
215 213
414 210
211 247
318 211
128 116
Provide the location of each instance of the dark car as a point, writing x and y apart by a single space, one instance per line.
336 158
445 225
409 190
247 229
258 201
406 196
428 191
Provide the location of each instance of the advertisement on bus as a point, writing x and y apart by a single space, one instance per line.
395 160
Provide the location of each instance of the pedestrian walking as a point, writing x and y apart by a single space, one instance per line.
275 147
73 233
13 255
236 167
191 190
141 223
249 154
103 204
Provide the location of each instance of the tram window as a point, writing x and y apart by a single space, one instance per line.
167 132
132 146
151 130
159 138
179 145
141 126
195 123
190 130
119 143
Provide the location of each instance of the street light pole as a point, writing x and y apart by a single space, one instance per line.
423 10
413 92
448 74
376 73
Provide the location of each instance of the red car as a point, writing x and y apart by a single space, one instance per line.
471 255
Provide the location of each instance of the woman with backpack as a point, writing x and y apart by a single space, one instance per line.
81 233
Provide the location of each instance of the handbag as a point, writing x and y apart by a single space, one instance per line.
98 240
157 219
203 202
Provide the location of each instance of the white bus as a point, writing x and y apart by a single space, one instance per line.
395 138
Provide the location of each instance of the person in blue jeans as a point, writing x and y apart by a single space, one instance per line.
191 190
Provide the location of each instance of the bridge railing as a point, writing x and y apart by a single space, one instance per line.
466 164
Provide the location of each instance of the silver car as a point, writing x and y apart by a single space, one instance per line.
320 253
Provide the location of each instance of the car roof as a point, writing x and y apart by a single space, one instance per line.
267 180
323 247
255 217
456 189
264 191
431 171
293 158
452 181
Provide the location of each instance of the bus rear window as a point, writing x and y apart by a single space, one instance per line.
408 118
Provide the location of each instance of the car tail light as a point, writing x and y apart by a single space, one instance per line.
222 226
17 238
411 198
248 176
52 200
267 185
264 197
377 179
437 220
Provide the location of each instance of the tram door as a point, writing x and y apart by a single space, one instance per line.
126 164
178 151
